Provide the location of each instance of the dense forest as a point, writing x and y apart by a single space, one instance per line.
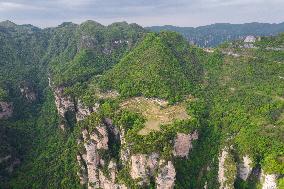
89 99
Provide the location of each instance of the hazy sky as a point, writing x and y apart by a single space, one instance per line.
46 13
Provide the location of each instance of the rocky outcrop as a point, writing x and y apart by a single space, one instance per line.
269 181
245 168
227 170
83 173
183 143
63 102
138 168
28 92
143 166
6 110
91 162
221 169
110 182
166 175
250 39
83 111
66 104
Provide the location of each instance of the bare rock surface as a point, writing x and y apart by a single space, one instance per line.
183 143
222 170
138 169
166 176
269 181
245 168
63 102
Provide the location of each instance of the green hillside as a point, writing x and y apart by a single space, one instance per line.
163 66
151 86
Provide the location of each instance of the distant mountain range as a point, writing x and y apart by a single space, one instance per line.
215 34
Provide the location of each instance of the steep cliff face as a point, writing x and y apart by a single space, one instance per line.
183 143
83 111
99 170
63 102
227 169
269 181
245 168
92 162
70 108
227 173
166 175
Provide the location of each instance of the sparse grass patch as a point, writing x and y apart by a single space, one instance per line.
156 112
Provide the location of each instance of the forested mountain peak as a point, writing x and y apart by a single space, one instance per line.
162 61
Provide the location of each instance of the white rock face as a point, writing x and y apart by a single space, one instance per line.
6 110
100 136
152 162
109 183
92 161
183 143
82 111
166 176
92 143
221 170
250 39
245 168
83 174
143 166
63 103
29 93
92 175
269 181
138 169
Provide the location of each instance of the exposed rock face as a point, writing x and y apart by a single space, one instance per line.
269 181
143 167
183 143
221 170
6 110
82 111
250 39
28 92
63 103
100 137
227 170
124 151
87 42
109 183
66 104
91 162
245 168
166 176
83 174
138 169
